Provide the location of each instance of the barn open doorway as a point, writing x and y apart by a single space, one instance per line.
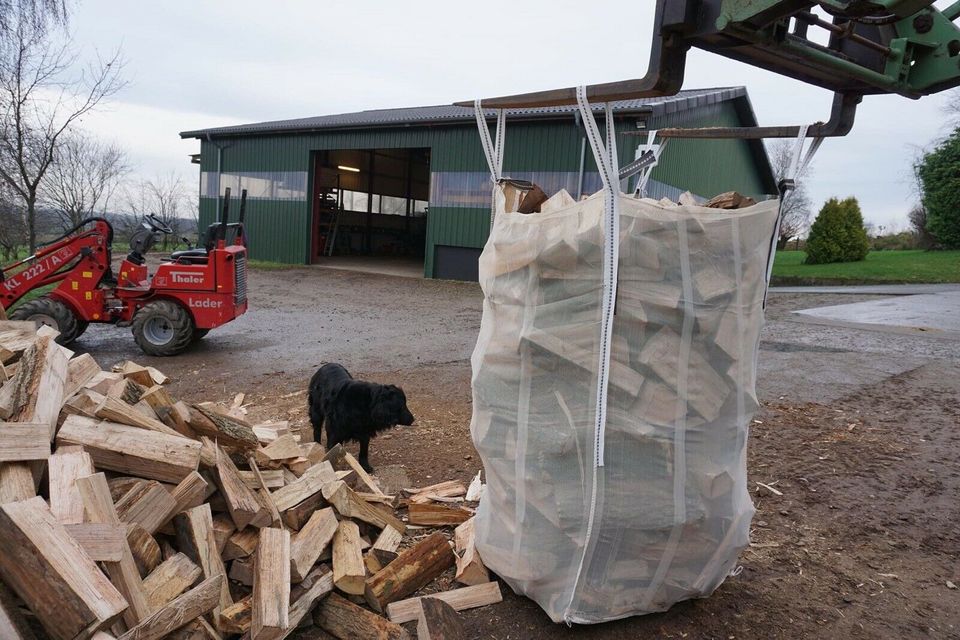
370 209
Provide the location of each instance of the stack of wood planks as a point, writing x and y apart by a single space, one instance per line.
127 514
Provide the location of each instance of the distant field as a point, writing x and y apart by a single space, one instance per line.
880 266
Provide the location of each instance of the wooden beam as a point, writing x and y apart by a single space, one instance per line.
448 489
318 583
43 367
126 390
283 448
349 571
171 578
99 508
83 403
309 484
133 371
263 494
315 586
163 405
342 619
195 538
13 624
133 451
297 516
241 570
102 542
241 544
168 411
350 505
223 528
144 547
271 585
361 473
242 502
80 371
335 456
311 541
470 568
63 468
74 599
439 621
189 493
225 430
385 546
102 381
16 482
179 612
120 412
148 504
24 441
272 478
412 569
460 599
437 515
238 617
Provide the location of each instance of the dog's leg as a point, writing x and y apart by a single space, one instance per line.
318 428
364 449
331 440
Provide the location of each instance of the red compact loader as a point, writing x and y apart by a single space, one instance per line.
192 291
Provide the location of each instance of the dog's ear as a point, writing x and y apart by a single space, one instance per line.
383 408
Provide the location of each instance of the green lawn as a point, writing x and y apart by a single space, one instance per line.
880 266
266 265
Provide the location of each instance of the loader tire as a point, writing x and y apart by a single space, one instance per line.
53 314
198 334
163 328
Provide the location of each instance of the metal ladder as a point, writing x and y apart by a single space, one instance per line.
330 206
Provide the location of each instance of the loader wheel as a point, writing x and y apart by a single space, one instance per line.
54 314
163 328
198 334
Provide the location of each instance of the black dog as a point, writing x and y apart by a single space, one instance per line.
353 409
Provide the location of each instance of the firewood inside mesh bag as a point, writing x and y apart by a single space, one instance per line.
666 515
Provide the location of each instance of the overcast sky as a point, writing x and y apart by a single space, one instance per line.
193 64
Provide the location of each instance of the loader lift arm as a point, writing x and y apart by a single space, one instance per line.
77 251
907 47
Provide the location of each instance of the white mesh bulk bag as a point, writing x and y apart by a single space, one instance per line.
613 385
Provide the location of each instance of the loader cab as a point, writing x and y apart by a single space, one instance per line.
229 232
145 238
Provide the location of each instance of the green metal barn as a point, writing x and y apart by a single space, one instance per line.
412 184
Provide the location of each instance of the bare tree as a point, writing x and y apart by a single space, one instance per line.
797 207
918 224
41 99
13 233
40 13
951 109
84 175
164 197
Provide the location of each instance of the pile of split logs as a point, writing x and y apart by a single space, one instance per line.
126 514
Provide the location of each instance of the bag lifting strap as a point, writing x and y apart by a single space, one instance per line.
607 163
493 152
799 162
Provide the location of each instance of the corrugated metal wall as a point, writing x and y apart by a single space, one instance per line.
280 230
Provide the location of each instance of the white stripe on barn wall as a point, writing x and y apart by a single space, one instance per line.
260 185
